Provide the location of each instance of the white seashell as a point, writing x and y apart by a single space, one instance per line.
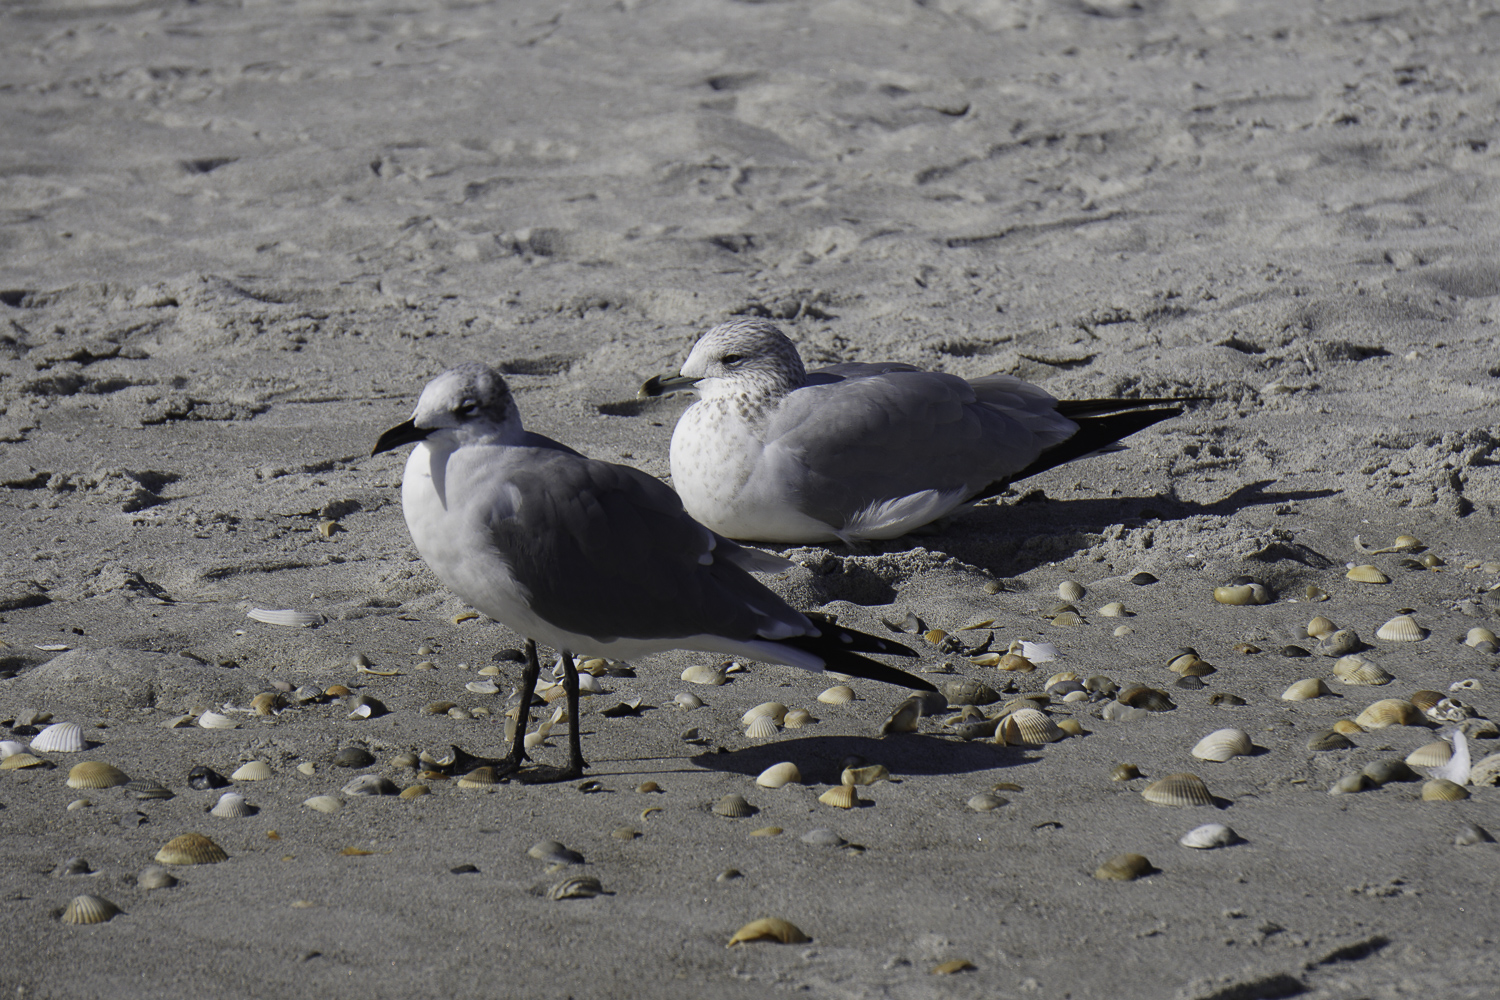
1224 744
289 618
1027 725
324 803
778 775
1432 755
1208 836
1402 628
1486 771
60 737
1306 690
1114 609
1038 652
482 687
1477 635
10 747
1068 590
256 770
775 709
797 718
763 728
232 805
1457 768
840 695
1355 669
704 674
213 720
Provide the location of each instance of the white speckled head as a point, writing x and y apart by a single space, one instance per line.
471 400
748 356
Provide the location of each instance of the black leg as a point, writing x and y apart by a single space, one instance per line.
529 674
576 763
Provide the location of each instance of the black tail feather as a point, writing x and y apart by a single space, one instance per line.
1094 433
840 649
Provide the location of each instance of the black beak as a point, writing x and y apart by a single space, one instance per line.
660 385
406 433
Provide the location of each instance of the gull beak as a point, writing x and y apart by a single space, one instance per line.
660 385
406 433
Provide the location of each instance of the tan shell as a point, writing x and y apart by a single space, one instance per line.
96 774
840 694
775 710
1247 593
778 775
480 777
1124 772
1027 725
1223 744
1320 627
1486 771
21 759
1389 712
1443 790
414 792
768 929
767 831
1114 609
762 727
191 849
265 703
704 674
1306 690
1402 628
1058 678
1355 669
256 770
903 718
864 775
1432 755
840 796
1347 727
1477 635
1424 700
986 802
1367 574
324 803
89 910
1068 590
797 718
733 807
953 966
1123 868
1016 662
1072 727
1178 790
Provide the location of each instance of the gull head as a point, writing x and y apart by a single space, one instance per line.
744 357
467 404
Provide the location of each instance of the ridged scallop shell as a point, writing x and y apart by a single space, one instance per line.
89 910
214 720
324 803
1246 593
1208 836
775 710
1178 790
1358 670
1123 868
687 701
255 770
1402 628
1367 574
232 805
577 887
17 761
480 777
762 728
191 849
864 775
60 737
703 673
1068 590
287 617
1306 690
1320 627
1443 790
1348 727
96 774
1477 635
797 718
1424 699
840 694
1114 609
1027 725
840 796
1432 755
1329 739
1389 712
733 807
769 929
1223 744
779 775
414 792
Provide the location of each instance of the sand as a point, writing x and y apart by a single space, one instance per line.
238 238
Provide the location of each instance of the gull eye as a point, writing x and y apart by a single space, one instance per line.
732 359
465 408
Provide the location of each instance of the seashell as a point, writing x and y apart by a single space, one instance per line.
1070 591
1067 618
1124 772
9 748
255 770
1306 690
779 775
1477 635
1367 574
705 674
1099 684
288 618
89 910
1246 648
734 807
1320 627
1347 727
1329 739
1071 727
308 768
404 760
555 853
191 849
484 687
1223 744
1143 579
335 691
1349 784
370 784
1114 609
763 728
414 792
1486 772
1208 836
1424 699
768 929
867 775
774 709
985 802
838 695
1472 833
146 790
1389 712
1119 712
265 703
1225 698
1338 643
1027 725
1246 593
1383 772
949 968
1140 696
232 805
480 777
60 737
96 774
324 803
1358 670
154 877
1123 868
213 720
1402 628
203 778
1294 651
647 786
1467 684
969 692
797 718
1443 790
1314 594
1432 755
841 797
1036 652
1062 678
904 718
1178 790
1403 543
687 702
577 887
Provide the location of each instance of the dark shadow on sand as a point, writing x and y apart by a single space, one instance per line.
821 758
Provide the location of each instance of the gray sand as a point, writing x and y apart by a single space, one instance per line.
239 238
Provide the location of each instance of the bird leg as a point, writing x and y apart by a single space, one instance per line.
576 763
529 674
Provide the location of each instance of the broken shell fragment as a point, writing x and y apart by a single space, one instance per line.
1443 790
1245 593
288 618
1224 744
704 674
768 929
779 775
840 797
1123 868
840 694
96 774
1306 690
1208 836
89 910
864 775
1367 574
1178 790
1389 712
191 849
904 718
1402 628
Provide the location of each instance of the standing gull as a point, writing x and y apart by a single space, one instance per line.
586 556
774 453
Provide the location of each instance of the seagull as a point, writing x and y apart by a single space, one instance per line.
587 556
774 453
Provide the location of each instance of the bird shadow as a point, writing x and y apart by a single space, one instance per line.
821 759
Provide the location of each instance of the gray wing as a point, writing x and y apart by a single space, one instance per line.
607 551
874 437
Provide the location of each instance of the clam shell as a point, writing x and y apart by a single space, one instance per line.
191 849
288 617
838 695
1124 772
1119 712
96 774
1123 868
1329 739
1358 670
969 692
577 887
769 929
1062 678
371 784
1389 712
986 802
1208 836
1347 727
1070 591
864 775
797 718
1320 627
775 710
733 807
1443 790
1178 790
213 720
1338 643
1245 593
1223 744
1486 771
155 877
1306 690
841 797
1367 574
414 792
1016 662
688 701
1402 628
1351 783
762 728
480 777
1140 696
778 775
554 852
255 770
1477 635
324 803
232 805
1114 609
1383 772
1472 833
89 910
1027 725
60 737
1432 755
904 718
1424 699
704 674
